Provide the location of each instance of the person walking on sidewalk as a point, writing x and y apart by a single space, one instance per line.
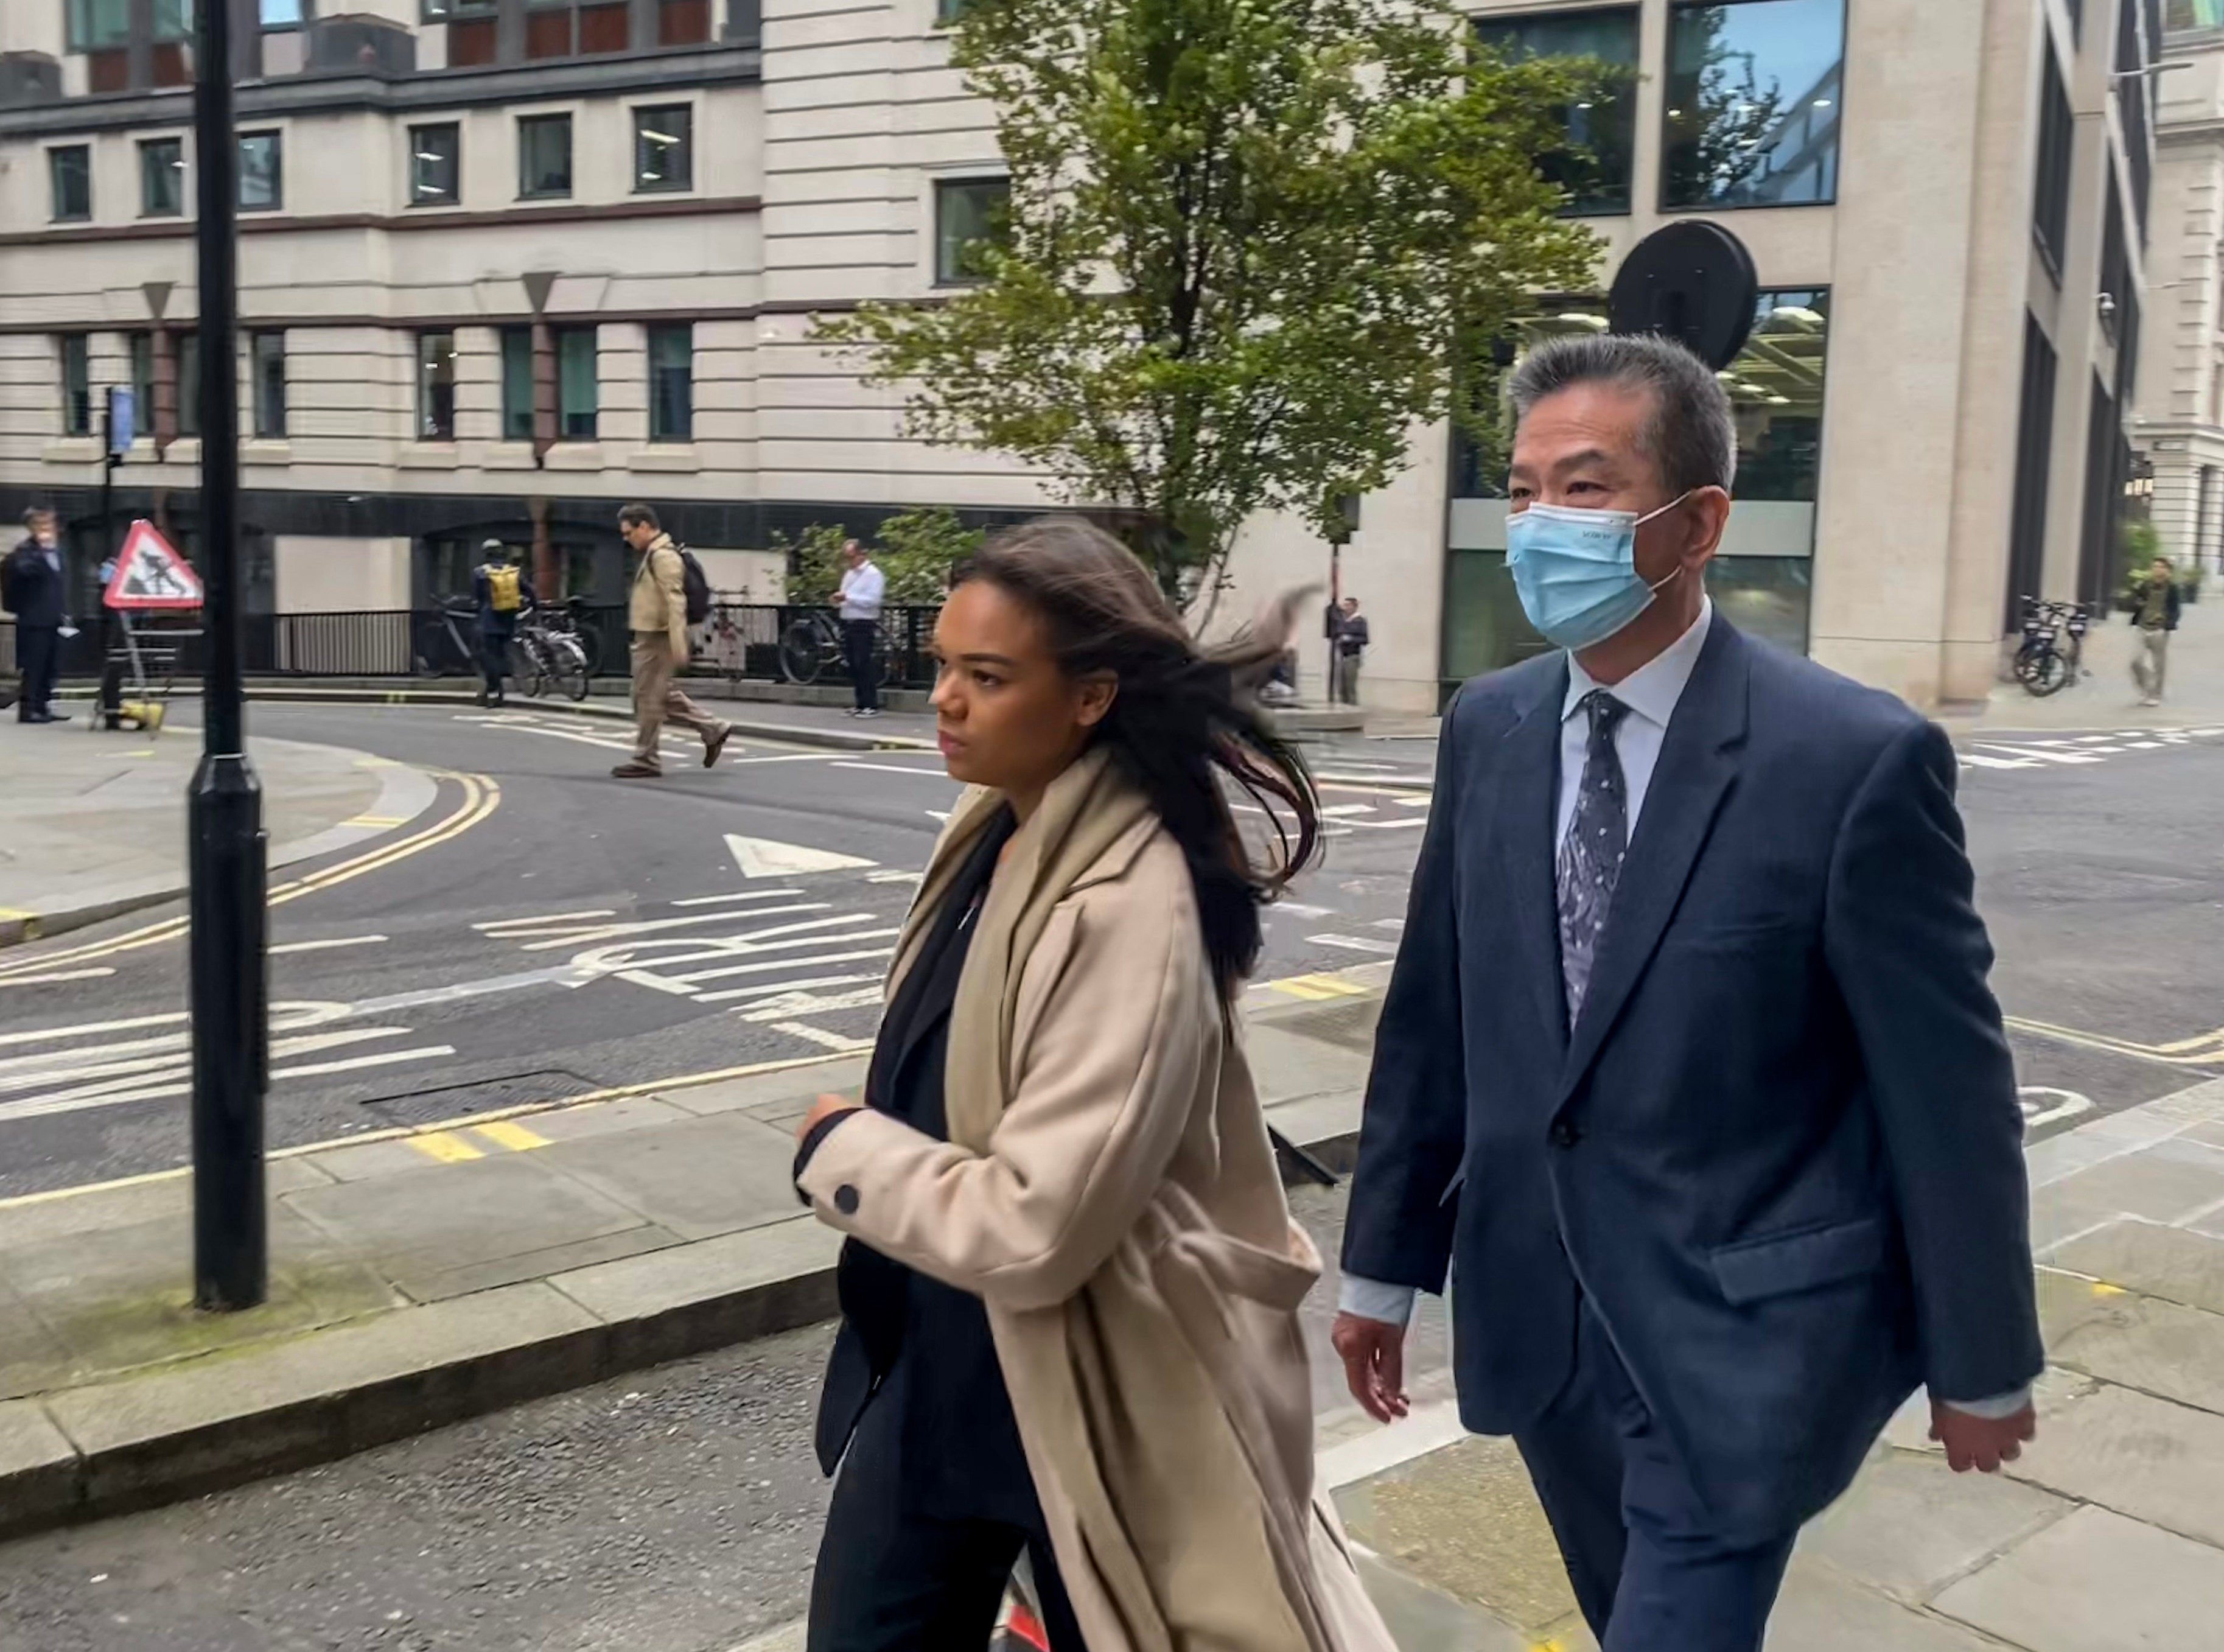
2155 607
1349 646
863 589
1689 1076
1070 1287
34 589
504 593
658 616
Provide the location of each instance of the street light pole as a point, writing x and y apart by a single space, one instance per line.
227 851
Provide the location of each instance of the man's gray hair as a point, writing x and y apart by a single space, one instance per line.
1691 436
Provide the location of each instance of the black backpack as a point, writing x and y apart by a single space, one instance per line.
695 583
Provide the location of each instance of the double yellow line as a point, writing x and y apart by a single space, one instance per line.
2203 1049
481 796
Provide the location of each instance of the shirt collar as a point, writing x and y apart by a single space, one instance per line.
1653 689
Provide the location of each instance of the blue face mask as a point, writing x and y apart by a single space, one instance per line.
1576 570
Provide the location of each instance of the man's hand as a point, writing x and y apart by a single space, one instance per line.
824 1108
1373 1355
1982 1443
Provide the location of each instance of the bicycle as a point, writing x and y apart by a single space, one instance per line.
446 643
547 653
812 641
2040 665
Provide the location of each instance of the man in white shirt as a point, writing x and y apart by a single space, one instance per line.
863 589
1689 1076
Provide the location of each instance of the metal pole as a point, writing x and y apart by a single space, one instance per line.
228 851
110 707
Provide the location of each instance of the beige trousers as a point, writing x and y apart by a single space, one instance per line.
2152 662
657 701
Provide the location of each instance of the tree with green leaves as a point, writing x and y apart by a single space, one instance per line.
916 551
1247 243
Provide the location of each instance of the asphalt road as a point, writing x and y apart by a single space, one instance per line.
556 932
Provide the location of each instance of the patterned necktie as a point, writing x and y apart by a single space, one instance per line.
1589 861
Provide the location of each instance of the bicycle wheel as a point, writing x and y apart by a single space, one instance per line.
802 652
526 665
567 665
434 648
2048 672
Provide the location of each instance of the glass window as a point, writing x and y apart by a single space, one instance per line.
434 11
189 384
436 387
664 147
671 383
162 177
173 19
2193 14
682 22
270 376
517 383
1753 103
436 169
1593 169
544 157
969 214
948 11
1776 391
141 348
262 171
2057 131
578 390
281 14
70 171
77 384
96 24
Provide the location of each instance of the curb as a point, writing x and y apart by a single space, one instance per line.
225 1418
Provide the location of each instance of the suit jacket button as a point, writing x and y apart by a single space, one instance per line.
1565 1135
845 1199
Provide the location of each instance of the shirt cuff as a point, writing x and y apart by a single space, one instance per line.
819 1132
1370 1299
1993 1407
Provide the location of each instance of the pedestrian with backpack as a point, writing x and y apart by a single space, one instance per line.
503 592
669 595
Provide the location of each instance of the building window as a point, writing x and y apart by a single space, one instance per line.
281 14
969 216
77 384
141 347
96 25
436 165
947 12
1602 124
262 171
544 157
269 367
578 388
174 20
671 383
436 387
70 171
162 177
682 22
2057 130
438 11
189 384
2190 14
1753 95
664 147
517 383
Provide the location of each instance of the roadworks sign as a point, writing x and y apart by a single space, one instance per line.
149 574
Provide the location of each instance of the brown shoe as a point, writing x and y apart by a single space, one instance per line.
717 743
637 770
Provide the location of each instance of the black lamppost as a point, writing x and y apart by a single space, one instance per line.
227 851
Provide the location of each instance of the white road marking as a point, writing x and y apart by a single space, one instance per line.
942 815
2043 1105
46 1033
327 946
762 857
1300 910
810 1034
1978 760
1355 944
1395 926
896 877
861 956
59 975
791 1004
493 924
651 926
2045 753
729 899
1337 811
893 768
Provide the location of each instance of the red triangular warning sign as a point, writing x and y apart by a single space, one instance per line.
149 574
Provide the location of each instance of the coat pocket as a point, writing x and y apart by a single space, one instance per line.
1781 1264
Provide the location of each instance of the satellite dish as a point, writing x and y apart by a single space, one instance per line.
1693 281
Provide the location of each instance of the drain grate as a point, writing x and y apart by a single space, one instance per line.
1349 1025
488 1094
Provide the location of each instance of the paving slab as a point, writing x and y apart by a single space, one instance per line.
696 1178
2160 1347
762 1089
1911 1525
2150 1459
1820 1612
2155 1259
1422 1619
2097 1582
2057 1389
2167 1181
38 1465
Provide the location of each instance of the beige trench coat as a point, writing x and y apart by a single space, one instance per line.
1110 1193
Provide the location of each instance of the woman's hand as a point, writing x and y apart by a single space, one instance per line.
822 1110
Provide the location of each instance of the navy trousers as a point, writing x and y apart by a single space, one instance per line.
1650 1571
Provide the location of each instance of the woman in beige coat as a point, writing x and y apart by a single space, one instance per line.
1071 1294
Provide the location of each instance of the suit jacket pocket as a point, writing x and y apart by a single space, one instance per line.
1780 1264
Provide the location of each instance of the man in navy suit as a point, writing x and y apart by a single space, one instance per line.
1688 1075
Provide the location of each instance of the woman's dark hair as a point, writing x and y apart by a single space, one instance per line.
1183 719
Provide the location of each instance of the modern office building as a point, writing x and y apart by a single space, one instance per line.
2178 427
506 262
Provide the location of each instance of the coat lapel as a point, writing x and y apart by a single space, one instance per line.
1698 763
1528 809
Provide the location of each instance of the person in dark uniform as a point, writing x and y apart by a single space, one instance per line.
35 592
504 593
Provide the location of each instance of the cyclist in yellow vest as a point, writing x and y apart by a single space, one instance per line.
503 592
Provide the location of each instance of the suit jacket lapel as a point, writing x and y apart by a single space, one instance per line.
1527 806
1697 764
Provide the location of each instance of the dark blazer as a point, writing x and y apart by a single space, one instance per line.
1780 1149
35 589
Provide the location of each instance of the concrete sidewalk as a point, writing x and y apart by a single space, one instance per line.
92 825
432 1274
2108 1535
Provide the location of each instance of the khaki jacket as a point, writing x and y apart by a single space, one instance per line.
1108 1190
660 595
